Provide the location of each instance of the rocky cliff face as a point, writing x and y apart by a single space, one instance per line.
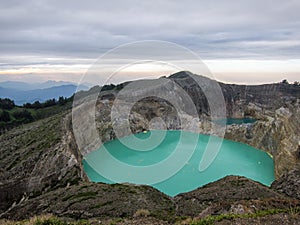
289 183
277 133
275 106
268 97
36 158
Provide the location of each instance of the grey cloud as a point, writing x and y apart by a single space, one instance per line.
214 29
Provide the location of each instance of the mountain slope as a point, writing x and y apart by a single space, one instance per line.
30 96
41 167
37 157
23 86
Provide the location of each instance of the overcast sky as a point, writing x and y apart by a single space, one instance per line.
241 41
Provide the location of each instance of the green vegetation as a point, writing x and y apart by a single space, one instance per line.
103 204
81 195
45 220
32 139
4 116
284 81
217 218
6 103
49 219
116 221
110 87
12 115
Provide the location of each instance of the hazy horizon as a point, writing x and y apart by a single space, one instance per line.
231 79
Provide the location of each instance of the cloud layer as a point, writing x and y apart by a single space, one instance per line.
36 32
213 28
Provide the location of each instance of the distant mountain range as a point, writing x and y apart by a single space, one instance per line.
22 92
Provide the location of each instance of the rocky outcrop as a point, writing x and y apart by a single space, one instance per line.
276 130
268 97
36 158
275 106
89 200
230 195
276 133
289 184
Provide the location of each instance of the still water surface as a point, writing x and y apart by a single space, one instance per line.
233 158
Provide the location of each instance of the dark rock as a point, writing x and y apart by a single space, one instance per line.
231 194
36 158
237 97
276 134
11 192
89 200
289 184
218 197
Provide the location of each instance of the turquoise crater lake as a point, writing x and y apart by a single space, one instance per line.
230 121
233 158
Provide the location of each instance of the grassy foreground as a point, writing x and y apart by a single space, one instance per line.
292 214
